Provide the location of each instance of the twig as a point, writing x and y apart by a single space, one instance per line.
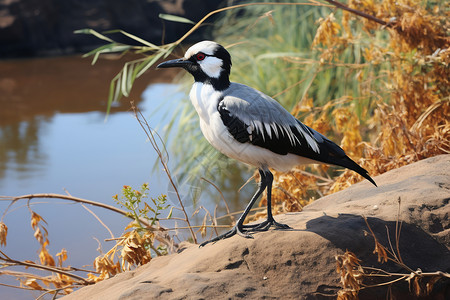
385 283
65 197
398 231
76 199
395 259
437 273
214 220
54 291
247 182
359 13
289 88
223 198
46 268
288 194
149 132
327 180
17 287
178 228
196 26
98 219
95 216
240 212
392 252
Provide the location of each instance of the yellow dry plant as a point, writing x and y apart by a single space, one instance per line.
410 120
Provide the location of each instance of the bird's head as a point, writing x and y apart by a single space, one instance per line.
207 61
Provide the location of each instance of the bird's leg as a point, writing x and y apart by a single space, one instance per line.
268 177
239 228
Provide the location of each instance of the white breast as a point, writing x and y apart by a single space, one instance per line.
205 100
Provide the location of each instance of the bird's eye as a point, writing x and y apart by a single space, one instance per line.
200 56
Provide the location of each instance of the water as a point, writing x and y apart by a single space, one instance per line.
54 139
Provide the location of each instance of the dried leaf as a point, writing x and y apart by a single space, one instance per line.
351 273
3 233
32 283
62 256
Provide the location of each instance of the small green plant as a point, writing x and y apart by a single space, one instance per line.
134 202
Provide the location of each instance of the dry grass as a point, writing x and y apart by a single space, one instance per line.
354 276
410 120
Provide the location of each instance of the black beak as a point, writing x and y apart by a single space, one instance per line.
179 63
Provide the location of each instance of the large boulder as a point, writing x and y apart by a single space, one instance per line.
300 263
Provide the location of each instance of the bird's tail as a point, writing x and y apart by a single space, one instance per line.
350 164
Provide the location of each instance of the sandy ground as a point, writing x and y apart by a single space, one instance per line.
300 263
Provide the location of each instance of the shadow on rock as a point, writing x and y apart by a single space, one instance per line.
416 248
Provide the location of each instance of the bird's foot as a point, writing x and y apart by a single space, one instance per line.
235 230
264 226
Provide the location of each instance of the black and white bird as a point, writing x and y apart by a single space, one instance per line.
247 125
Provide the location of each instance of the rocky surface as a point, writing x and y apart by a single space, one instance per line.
300 263
45 27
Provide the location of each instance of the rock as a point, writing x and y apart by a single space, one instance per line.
300 263
45 27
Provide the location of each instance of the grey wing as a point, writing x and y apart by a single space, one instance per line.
254 117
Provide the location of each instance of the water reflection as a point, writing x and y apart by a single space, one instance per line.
19 148
32 91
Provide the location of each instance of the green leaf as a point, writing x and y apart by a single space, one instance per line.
138 39
114 91
175 19
109 48
124 78
130 80
145 66
94 33
170 213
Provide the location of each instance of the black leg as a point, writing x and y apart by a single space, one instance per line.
270 220
245 230
239 228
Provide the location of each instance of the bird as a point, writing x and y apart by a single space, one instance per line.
250 126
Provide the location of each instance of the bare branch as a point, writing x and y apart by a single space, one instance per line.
223 198
46 268
359 13
76 199
163 159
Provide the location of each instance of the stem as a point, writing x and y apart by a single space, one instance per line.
148 131
76 199
156 250
312 3
51 269
223 198
358 13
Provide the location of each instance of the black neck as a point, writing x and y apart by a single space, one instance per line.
220 84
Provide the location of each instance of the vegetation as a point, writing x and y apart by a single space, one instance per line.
380 87
356 277
373 75
143 239
382 90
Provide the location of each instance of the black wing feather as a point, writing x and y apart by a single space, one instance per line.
280 144
329 153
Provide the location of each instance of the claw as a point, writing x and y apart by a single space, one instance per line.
233 231
264 226
245 230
